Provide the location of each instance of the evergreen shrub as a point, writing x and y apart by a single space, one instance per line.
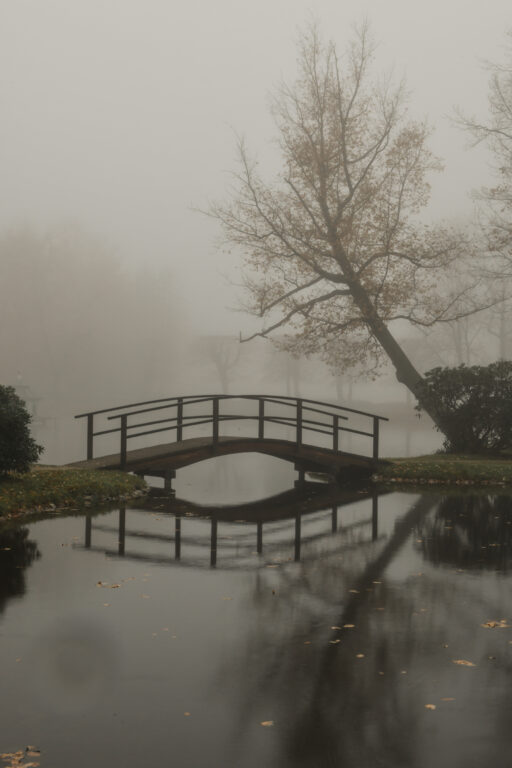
18 450
474 404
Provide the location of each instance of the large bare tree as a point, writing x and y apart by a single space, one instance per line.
334 253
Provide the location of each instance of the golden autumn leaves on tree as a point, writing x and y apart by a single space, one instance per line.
334 257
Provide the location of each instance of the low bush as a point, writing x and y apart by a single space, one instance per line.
474 404
18 450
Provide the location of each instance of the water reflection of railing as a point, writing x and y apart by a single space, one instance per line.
246 537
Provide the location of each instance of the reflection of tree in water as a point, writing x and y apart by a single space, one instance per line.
17 552
470 532
332 707
350 703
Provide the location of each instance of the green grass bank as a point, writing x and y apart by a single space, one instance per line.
447 469
48 489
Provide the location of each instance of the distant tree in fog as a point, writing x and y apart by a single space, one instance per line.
496 132
223 352
333 252
79 326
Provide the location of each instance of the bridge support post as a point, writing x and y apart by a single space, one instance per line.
259 538
169 476
302 476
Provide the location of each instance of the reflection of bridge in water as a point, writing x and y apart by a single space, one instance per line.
304 515
300 417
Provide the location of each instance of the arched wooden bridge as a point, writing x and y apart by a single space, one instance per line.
203 418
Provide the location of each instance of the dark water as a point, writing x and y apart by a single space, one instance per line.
336 617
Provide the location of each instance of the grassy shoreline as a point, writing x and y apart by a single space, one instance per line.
48 489
52 489
447 469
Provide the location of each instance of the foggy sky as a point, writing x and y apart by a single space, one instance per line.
119 115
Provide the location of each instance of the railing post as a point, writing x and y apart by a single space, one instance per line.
375 437
90 435
261 419
124 432
299 422
179 429
215 420
335 432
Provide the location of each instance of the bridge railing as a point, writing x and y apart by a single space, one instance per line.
303 417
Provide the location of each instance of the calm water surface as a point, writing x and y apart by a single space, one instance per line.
154 636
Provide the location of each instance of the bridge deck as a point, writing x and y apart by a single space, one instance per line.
171 456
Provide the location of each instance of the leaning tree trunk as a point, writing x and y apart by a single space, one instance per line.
405 371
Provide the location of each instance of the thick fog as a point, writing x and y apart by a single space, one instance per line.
119 121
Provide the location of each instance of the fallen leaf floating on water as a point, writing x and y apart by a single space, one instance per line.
447 698
464 662
430 706
267 723
349 626
334 642
354 591
187 714
335 627
500 624
307 642
359 655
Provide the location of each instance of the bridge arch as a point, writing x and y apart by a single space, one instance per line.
199 424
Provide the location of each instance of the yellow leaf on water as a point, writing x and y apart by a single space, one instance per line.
500 623
335 627
187 714
447 698
267 723
464 662
430 706
349 626
359 655
334 642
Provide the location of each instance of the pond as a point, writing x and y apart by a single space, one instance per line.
324 627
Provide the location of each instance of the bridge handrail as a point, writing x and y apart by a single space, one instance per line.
303 407
190 399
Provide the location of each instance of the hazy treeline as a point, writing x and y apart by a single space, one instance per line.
80 329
